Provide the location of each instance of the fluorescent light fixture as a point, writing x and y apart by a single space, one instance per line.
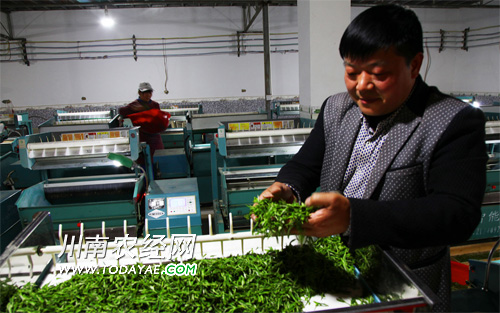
107 21
476 104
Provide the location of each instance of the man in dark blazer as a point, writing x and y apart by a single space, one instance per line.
400 164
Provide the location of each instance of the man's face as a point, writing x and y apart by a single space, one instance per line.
382 82
145 95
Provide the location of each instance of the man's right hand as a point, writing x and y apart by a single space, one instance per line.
278 191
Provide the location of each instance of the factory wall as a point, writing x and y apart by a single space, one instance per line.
115 80
476 70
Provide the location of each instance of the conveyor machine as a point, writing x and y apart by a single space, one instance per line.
90 199
246 158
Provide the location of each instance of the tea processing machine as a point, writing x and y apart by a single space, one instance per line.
285 107
199 133
172 161
80 183
179 115
489 226
173 137
13 126
84 121
246 158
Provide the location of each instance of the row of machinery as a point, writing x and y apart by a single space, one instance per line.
225 160
221 161
73 176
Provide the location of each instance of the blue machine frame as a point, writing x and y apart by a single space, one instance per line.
246 157
78 195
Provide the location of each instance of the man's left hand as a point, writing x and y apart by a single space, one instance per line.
332 218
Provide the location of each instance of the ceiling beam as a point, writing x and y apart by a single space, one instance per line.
47 5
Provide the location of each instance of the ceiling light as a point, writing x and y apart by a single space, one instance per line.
107 21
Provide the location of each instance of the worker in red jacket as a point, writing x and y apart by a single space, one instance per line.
137 111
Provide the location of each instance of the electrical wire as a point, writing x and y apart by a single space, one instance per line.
146 50
428 65
145 176
206 45
14 131
146 44
154 55
165 67
83 54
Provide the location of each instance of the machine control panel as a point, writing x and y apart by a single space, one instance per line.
181 205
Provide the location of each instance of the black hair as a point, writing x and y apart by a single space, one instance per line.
383 27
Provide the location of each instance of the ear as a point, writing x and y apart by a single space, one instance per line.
415 64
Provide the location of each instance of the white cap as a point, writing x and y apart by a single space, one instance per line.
145 87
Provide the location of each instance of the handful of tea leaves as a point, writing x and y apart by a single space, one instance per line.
276 218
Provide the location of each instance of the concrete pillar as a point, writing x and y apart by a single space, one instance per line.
321 72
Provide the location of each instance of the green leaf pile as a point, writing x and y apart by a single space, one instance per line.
233 284
277 281
7 290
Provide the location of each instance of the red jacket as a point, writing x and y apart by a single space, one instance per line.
150 125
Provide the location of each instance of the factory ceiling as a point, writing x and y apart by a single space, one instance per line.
8 6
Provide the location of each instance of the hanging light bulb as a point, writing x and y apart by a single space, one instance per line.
107 21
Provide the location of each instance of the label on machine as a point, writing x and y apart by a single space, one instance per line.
93 135
255 126
156 213
221 133
181 205
156 207
263 125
